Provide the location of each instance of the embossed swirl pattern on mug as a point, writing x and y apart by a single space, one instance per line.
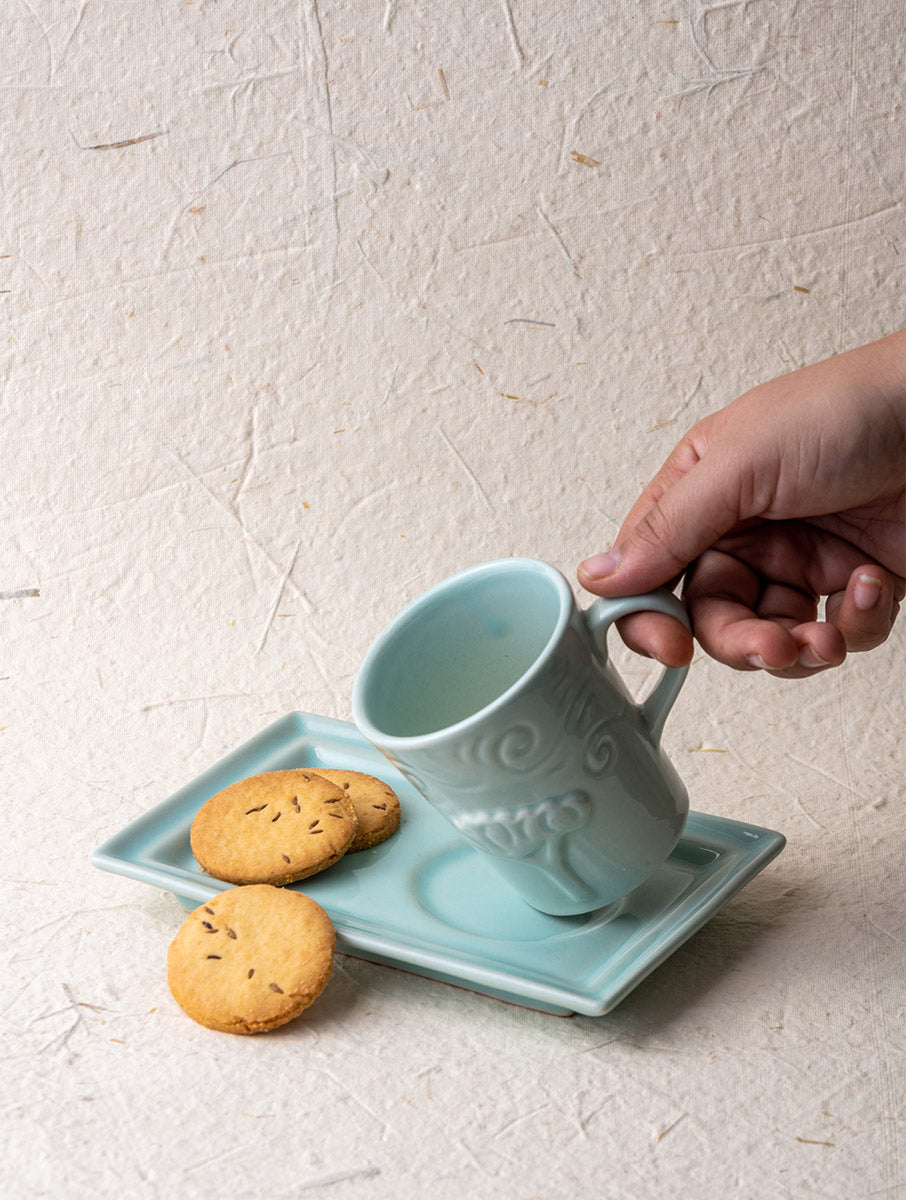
533 831
577 702
517 750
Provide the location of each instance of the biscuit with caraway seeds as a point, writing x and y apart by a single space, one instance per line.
276 827
251 958
377 807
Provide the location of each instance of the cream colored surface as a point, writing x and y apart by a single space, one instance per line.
307 305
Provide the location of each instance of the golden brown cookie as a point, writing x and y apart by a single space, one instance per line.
376 805
273 828
251 958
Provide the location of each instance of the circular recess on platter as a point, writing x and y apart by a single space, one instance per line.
460 888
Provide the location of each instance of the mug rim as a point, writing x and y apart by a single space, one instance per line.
509 565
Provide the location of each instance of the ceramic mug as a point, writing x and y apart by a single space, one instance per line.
492 693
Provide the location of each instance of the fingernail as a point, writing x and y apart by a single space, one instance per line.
811 659
755 660
866 592
599 566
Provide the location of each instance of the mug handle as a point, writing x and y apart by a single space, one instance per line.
602 614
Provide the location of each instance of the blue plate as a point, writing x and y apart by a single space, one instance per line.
427 902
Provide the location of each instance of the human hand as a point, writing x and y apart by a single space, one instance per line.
793 492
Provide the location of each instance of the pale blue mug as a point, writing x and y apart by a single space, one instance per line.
492 693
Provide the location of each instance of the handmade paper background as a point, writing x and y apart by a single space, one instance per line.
306 305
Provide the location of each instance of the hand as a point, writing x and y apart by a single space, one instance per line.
792 493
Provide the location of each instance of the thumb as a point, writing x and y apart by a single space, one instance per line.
695 511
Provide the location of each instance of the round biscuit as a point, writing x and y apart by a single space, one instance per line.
251 958
377 807
277 827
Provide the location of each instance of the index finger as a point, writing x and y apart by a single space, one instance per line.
685 455
692 501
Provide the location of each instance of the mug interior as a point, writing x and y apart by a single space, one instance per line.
458 649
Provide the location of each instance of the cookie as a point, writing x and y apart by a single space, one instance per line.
273 828
376 806
251 958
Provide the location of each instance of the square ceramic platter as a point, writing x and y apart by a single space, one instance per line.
428 903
